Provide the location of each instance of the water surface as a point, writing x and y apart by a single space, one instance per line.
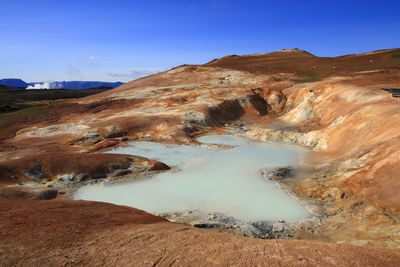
214 180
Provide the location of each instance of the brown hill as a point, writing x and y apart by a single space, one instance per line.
308 67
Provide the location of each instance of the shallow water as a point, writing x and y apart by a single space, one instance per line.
213 180
172 155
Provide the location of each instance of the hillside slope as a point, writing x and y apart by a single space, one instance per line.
93 233
308 67
350 125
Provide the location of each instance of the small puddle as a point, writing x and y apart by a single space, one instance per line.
224 180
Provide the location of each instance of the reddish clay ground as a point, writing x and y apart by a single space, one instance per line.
59 233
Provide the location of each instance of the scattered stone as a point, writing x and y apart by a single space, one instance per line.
260 229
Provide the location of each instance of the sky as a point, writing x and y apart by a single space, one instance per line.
120 40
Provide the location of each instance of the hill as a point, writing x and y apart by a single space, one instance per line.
334 107
308 67
13 83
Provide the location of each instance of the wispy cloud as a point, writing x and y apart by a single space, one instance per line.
90 58
74 72
134 74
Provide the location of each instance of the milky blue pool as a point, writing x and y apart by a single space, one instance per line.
225 180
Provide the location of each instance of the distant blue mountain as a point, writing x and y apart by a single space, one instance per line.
13 83
74 85
78 85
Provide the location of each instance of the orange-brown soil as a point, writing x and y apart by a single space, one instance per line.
309 67
59 233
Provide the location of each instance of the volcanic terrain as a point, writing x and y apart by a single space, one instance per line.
334 106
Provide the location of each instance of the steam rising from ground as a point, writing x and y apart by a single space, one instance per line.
44 85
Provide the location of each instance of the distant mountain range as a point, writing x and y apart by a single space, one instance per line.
74 85
14 83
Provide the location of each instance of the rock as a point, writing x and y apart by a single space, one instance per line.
279 173
194 117
264 228
27 191
122 172
312 139
207 225
89 138
159 166
36 173
201 219
68 178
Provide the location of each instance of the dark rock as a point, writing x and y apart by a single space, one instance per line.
279 173
228 110
36 173
207 225
96 176
115 135
264 228
259 104
122 172
91 138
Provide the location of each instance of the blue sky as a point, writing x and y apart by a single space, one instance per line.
119 40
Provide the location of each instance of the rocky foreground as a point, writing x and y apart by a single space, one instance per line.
334 106
64 233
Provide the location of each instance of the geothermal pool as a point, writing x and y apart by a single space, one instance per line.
226 180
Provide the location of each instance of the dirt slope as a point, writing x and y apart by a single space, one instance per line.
310 68
58 233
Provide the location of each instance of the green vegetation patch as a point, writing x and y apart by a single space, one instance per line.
23 115
309 77
396 55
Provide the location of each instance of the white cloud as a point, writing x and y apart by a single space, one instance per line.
91 58
134 74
